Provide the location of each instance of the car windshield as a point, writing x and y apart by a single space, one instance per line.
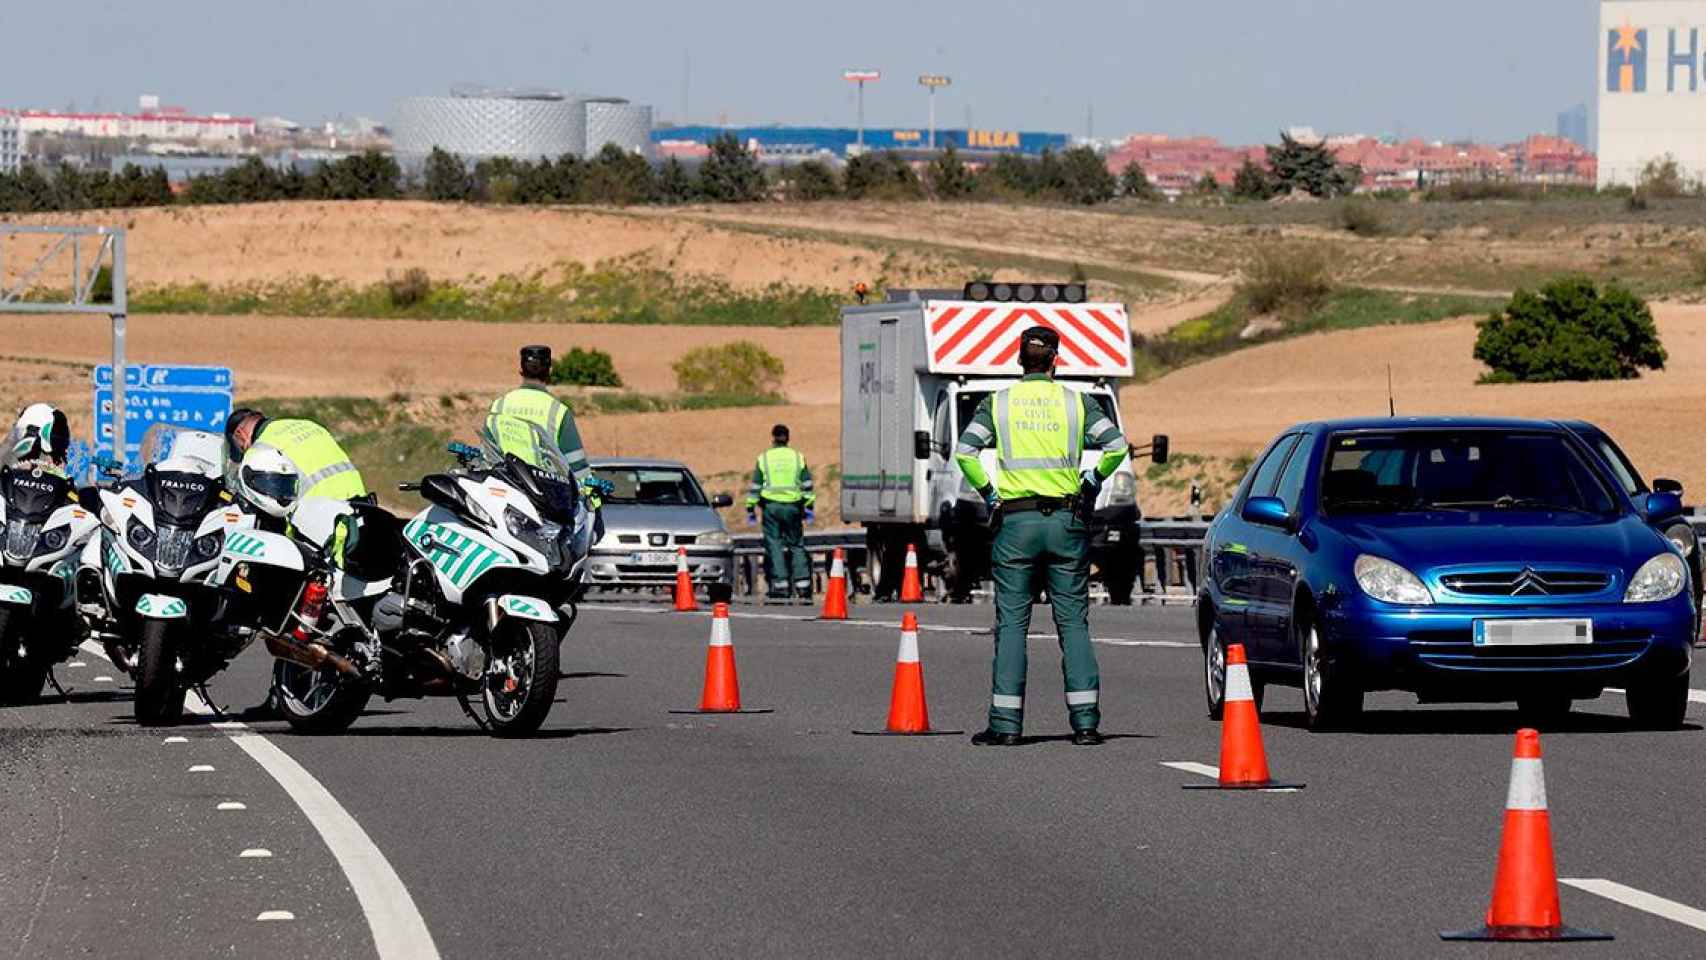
651 486
1413 470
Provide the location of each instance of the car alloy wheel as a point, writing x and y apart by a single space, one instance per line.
1329 698
1214 673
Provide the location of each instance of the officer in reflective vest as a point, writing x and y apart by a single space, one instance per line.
326 470
533 402
782 484
1039 502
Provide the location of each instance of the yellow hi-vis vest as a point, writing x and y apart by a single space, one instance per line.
326 470
533 405
781 468
1039 440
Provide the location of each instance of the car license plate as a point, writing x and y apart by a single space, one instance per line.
652 558
1532 633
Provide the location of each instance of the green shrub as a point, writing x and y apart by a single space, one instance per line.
1570 330
413 287
741 367
1362 218
1288 278
585 368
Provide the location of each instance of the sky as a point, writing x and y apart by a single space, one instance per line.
1236 69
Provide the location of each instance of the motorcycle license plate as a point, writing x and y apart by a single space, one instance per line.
1532 633
652 558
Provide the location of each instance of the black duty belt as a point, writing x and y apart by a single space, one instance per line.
1040 504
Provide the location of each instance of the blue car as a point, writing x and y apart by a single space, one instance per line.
1464 560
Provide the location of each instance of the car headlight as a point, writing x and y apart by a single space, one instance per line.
140 537
1683 536
1660 578
1384 580
714 538
1122 488
207 547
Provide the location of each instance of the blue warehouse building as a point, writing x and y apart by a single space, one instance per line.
840 141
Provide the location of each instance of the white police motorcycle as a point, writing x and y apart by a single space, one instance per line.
45 526
161 615
470 597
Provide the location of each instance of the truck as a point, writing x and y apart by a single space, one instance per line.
914 369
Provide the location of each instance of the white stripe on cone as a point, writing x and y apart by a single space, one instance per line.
912 558
1528 785
681 560
837 570
720 632
1238 683
908 647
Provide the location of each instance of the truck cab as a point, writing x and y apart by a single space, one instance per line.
914 371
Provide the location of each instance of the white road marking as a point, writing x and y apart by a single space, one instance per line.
231 805
883 625
176 740
76 664
1190 766
1640 900
256 853
103 678
276 915
399 932
1694 696
202 768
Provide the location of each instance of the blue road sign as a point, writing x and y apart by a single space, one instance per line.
192 397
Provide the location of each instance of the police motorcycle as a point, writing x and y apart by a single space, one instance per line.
147 580
46 525
469 598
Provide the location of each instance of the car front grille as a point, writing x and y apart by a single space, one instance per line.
1527 582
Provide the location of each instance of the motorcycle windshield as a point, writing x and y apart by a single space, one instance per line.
32 494
180 496
531 458
175 448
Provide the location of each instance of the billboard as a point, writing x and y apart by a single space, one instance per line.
1652 86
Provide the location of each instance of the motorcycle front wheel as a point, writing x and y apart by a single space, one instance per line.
521 683
21 678
159 693
317 701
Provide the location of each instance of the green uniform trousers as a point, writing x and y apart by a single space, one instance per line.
784 544
1055 546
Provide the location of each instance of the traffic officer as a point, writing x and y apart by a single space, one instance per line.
782 483
533 402
326 470
1039 503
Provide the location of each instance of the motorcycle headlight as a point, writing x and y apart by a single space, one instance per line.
207 547
714 538
21 539
53 541
1660 578
540 533
1683 536
1122 488
140 537
1387 581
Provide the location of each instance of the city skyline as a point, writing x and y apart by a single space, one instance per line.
1236 70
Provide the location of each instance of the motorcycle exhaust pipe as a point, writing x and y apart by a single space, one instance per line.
309 654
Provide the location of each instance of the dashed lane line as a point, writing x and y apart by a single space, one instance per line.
255 853
232 805
1640 899
201 768
1191 766
885 625
399 932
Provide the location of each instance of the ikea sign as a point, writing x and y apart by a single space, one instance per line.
1651 70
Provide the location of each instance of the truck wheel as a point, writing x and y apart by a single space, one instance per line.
885 566
1119 579
959 573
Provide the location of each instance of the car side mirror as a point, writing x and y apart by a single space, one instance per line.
1158 447
1663 506
1665 485
722 500
922 447
1267 511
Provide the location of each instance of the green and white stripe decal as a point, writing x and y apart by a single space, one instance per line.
12 594
527 608
239 545
162 607
115 560
459 557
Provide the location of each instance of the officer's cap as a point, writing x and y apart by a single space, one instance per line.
779 432
536 353
1041 336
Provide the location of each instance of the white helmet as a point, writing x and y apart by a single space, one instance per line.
269 480
41 432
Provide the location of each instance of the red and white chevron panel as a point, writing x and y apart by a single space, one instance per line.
983 338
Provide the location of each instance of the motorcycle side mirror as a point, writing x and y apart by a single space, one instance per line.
722 500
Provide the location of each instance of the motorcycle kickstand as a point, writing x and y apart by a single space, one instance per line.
53 682
479 721
207 698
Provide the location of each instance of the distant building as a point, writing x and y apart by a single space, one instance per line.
170 123
783 143
11 143
1573 125
1646 58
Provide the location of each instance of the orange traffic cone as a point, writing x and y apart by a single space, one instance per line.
684 602
908 714
1525 884
911 588
1243 762
722 686
835 591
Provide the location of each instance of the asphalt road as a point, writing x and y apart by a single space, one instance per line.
626 830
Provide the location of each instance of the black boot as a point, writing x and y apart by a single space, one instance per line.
1087 738
993 738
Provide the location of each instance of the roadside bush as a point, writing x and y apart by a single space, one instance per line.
1362 218
741 367
585 368
1252 182
1287 278
809 181
1134 183
412 287
1663 179
1571 330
